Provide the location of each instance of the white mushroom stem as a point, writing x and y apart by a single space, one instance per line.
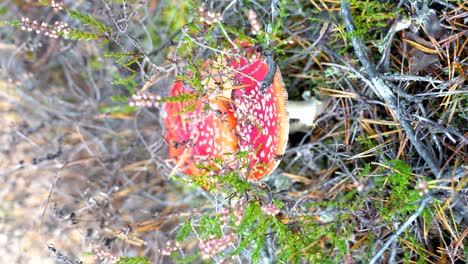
304 111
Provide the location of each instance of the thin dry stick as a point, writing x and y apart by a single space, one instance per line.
383 91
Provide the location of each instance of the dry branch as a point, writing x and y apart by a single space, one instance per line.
384 92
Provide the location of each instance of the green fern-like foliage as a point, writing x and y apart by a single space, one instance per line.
99 28
135 260
83 19
89 21
81 35
404 197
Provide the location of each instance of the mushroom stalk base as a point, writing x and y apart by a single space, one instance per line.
306 112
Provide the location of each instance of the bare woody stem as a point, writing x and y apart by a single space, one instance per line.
384 92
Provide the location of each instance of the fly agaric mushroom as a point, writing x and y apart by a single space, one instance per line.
256 120
260 111
199 136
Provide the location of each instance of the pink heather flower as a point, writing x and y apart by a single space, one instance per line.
143 99
239 209
422 187
270 209
170 247
104 256
57 4
44 28
214 246
224 216
209 17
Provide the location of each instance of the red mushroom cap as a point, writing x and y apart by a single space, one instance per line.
262 118
199 136
256 121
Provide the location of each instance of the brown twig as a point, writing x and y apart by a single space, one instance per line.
384 92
